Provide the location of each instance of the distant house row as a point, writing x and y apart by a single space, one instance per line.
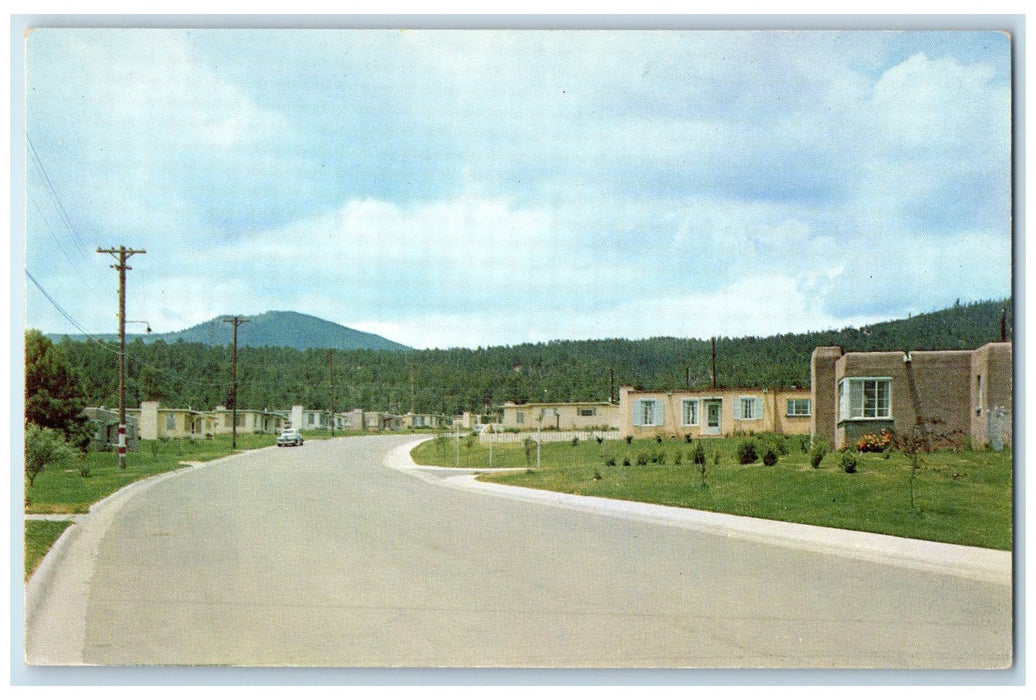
957 396
954 396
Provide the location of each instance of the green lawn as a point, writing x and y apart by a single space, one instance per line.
40 536
959 497
66 490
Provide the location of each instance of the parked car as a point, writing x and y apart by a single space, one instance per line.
291 436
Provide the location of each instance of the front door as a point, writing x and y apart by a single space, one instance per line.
713 412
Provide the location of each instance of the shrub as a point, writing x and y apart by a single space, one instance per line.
817 454
875 443
698 453
678 458
629 439
597 475
715 458
687 438
660 458
575 441
746 452
626 461
600 440
848 462
610 462
769 457
642 458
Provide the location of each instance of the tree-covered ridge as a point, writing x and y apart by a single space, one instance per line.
279 329
449 381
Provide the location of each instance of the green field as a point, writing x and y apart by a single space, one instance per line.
959 497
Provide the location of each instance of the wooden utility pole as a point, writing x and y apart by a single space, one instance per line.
237 321
331 373
713 363
122 253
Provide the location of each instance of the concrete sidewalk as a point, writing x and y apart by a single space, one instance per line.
988 565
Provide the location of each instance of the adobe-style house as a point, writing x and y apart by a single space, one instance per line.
248 421
155 422
422 420
713 412
560 416
954 395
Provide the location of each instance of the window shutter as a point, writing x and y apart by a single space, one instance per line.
638 412
757 408
738 414
658 414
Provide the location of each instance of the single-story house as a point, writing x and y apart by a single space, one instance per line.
713 412
422 420
560 416
952 396
248 421
104 426
155 422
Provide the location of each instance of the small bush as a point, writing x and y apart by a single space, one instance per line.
817 454
642 459
575 441
715 458
660 458
687 438
610 462
597 475
626 462
698 453
629 439
600 440
678 458
848 463
769 457
747 452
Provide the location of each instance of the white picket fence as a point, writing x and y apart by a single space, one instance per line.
547 436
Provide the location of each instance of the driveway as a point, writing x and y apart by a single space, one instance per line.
322 556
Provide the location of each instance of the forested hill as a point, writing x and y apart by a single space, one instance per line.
279 329
183 374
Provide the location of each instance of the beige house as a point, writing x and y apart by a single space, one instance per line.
422 420
155 422
713 412
248 421
957 395
560 416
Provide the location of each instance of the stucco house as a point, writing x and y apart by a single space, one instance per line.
560 416
953 395
248 420
155 422
713 412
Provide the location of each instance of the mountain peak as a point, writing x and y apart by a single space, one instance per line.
289 329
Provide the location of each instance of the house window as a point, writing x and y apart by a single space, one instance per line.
647 412
587 412
798 407
689 411
520 418
240 420
170 421
748 408
865 397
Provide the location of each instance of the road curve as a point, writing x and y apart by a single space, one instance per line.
322 556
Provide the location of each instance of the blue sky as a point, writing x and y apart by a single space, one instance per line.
467 188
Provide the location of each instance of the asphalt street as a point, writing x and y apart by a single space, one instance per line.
323 555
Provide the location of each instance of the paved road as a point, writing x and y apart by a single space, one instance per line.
322 556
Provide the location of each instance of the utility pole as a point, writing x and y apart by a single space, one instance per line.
237 321
331 373
714 363
122 253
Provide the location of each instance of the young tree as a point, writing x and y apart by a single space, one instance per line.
53 394
43 447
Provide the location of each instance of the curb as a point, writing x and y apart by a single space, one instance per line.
977 563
